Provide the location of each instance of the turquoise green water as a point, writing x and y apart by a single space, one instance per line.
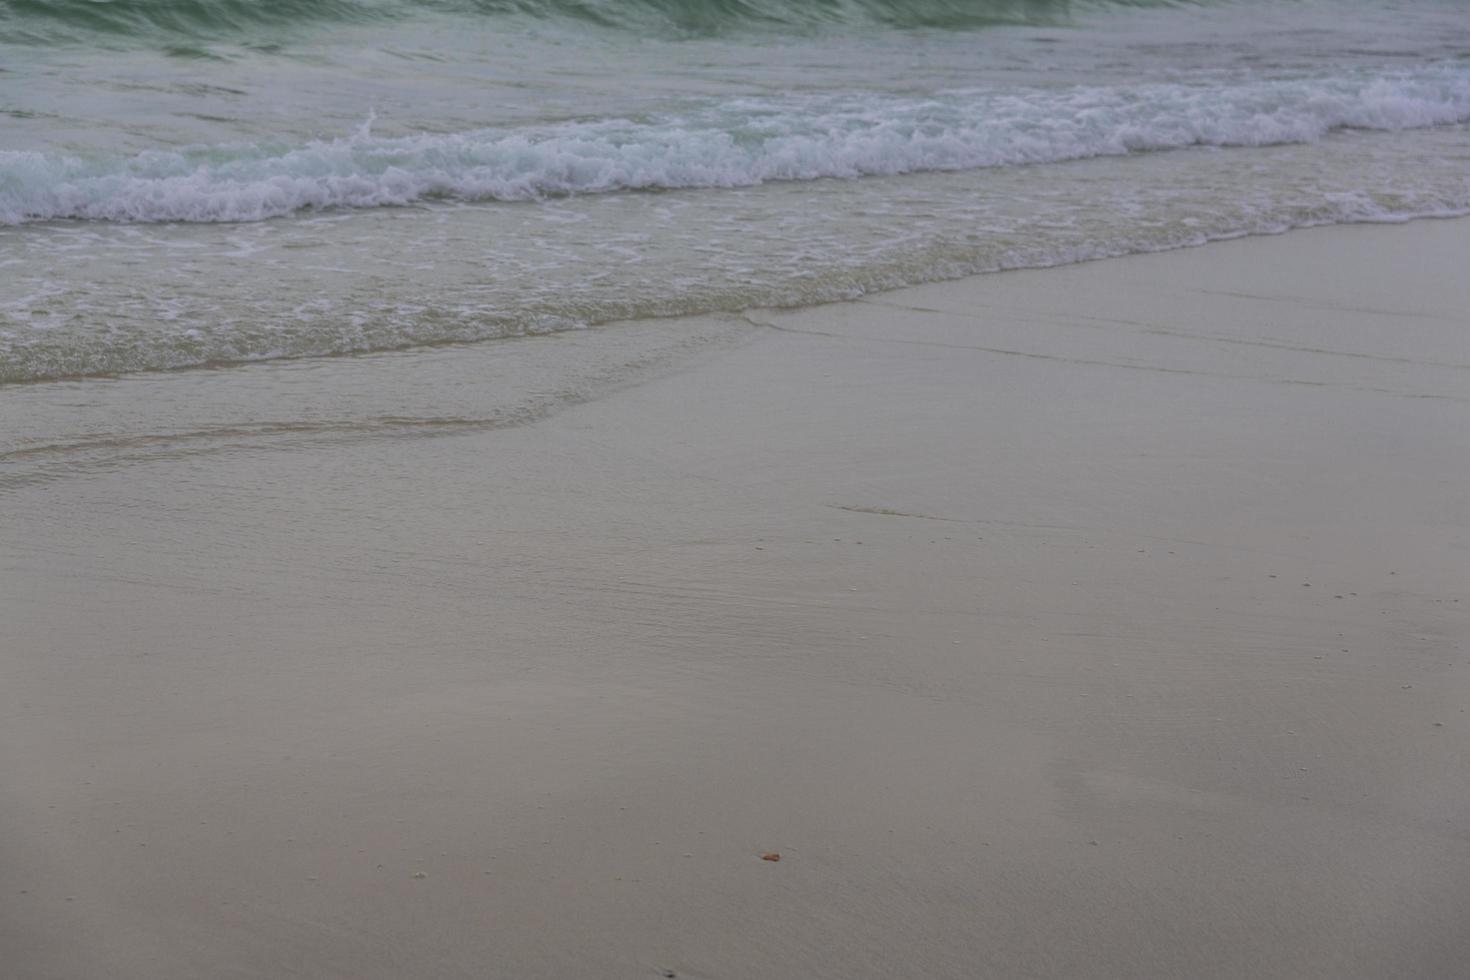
154 19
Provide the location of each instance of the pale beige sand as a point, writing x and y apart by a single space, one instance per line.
1094 622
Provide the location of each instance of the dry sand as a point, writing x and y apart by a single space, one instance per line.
1102 621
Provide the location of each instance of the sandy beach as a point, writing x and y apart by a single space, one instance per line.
1098 621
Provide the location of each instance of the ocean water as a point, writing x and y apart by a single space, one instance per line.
191 183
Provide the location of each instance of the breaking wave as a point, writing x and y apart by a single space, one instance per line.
40 21
738 143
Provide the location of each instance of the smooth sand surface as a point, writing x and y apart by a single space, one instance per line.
1105 621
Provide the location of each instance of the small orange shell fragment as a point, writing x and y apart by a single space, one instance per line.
772 856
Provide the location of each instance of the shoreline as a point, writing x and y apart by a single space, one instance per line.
459 344
1096 620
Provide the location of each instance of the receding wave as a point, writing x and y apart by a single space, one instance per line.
738 143
60 20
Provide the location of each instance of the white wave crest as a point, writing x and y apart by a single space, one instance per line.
737 143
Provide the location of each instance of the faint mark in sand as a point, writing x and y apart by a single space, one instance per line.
1160 330
1313 304
1094 362
891 512
898 513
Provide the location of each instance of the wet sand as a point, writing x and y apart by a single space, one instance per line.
1103 621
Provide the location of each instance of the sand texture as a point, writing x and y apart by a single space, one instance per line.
1102 621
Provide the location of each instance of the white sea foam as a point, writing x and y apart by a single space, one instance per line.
104 298
737 143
